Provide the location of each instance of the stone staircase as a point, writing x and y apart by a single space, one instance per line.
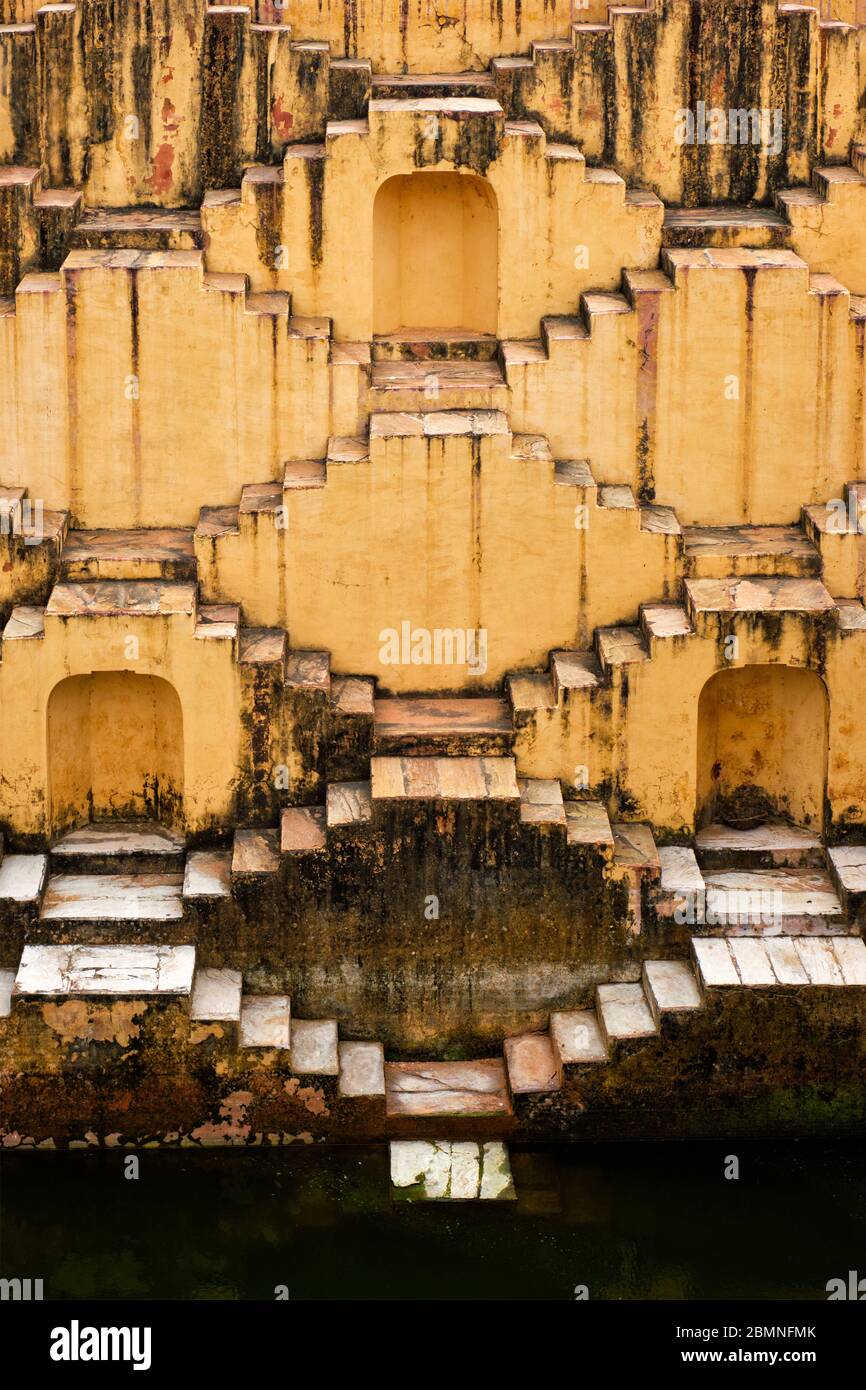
143 988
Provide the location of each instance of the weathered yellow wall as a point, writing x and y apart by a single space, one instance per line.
115 748
766 726
203 674
435 245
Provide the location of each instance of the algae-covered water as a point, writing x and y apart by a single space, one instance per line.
627 1222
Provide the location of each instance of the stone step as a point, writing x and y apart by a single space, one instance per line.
574 671
314 1047
98 971
446 1170
433 424
663 622
587 824
136 554
216 995
634 847
681 883
217 622
362 1071
433 345
757 594
444 779
22 879
848 871
266 1021
541 802
424 726
263 646
437 385
529 692
670 987
303 830
442 1089
144 229
719 552
255 854
758 902
724 225
624 1016
404 86
111 908
770 846
577 1038
779 961
109 598
207 876
617 647
124 847
533 1064
348 808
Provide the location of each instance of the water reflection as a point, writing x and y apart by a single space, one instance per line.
631 1221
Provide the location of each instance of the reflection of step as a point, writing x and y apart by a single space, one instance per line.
119 847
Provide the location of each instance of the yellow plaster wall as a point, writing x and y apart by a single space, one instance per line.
764 726
203 674
115 748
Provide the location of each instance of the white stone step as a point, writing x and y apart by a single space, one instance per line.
266 1021
587 823
445 1089
118 846
670 987
681 883
113 898
577 1037
624 1013
23 877
123 971
7 980
848 870
216 995
533 1064
772 845
362 1070
783 901
208 875
314 1047
255 853
444 779
541 802
349 806
770 962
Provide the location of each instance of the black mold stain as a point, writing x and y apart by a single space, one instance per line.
219 133
315 171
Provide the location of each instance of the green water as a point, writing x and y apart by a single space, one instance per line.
629 1222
